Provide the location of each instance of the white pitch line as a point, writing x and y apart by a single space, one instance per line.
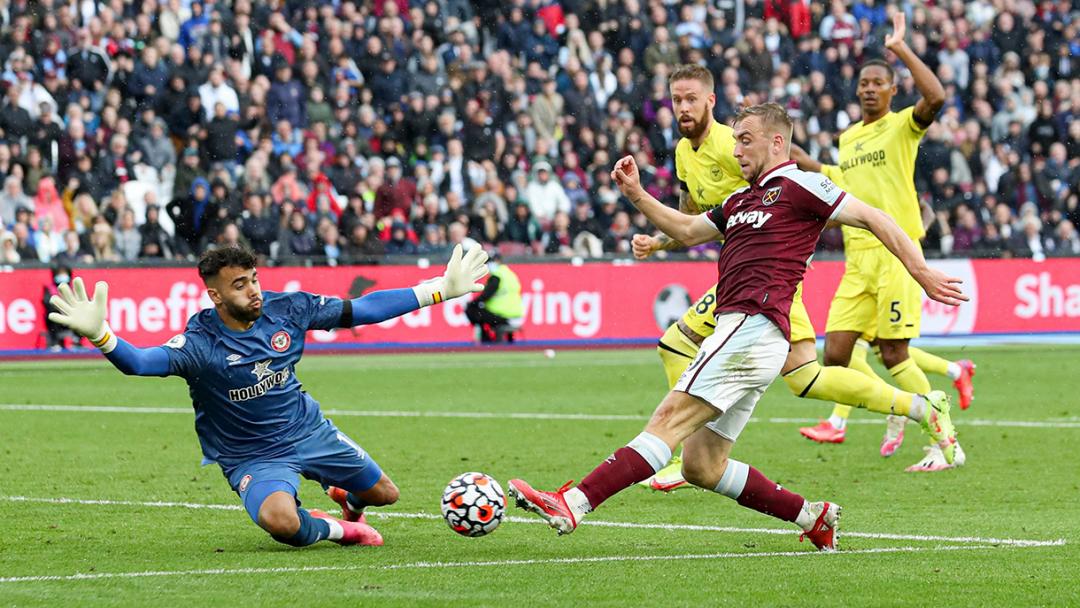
1011 542
477 564
118 409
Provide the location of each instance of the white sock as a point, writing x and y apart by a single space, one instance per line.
733 481
336 531
653 449
955 371
578 503
837 422
918 408
805 519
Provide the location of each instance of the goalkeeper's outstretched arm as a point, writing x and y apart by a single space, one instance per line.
462 274
86 317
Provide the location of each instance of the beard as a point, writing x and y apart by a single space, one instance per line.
695 130
246 315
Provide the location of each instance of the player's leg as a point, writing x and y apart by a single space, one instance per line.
707 465
960 372
899 308
268 491
676 348
850 312
707 386
351 477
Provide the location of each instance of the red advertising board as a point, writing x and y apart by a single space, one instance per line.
593 302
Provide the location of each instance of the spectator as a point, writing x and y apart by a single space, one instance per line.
157 149
558 241
522 227
545 196
154 241
126 237
191 216
967 236
361 246
398 193
102 243
401 240
297 239
286 100
217 90
12 199
47 203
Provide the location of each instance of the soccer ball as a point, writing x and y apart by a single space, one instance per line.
670 304
473 504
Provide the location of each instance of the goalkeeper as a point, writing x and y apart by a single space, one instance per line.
251 416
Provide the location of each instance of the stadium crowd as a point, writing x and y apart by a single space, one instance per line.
348 130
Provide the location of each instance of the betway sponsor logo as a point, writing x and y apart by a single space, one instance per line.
757 218
1040 297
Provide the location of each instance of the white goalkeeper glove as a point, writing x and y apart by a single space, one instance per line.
462 274
82 315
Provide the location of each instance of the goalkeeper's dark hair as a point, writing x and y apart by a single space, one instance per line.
881 63
211 262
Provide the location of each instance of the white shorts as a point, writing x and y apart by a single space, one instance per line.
734 367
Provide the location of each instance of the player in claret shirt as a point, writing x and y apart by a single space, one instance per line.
771 228
252 418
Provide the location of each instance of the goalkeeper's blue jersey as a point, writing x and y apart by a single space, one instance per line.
248 401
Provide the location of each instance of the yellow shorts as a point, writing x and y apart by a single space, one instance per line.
801 327
876 297
699 317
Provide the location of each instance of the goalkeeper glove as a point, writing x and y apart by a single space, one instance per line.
82 315
460 278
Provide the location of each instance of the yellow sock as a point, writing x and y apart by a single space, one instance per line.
931 364
909 377
857 363
845 385
676 352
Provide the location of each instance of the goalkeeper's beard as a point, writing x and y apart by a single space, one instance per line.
244 314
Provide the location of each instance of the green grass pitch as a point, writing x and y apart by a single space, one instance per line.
89 497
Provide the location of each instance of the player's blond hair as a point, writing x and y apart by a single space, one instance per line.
693 71
772 115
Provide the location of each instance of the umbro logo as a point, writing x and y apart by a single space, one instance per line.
233 358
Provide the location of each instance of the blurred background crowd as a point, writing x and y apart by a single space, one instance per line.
346 131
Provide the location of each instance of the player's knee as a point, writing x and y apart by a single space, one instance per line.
390 492
894 352
279 517
836 354
383 493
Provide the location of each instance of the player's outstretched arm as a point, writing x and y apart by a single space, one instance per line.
460 278
938 285
462 274
689 230
933 93
86 317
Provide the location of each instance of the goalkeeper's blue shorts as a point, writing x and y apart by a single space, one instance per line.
327 456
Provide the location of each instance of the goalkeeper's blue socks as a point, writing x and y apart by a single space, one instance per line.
312 530
356 503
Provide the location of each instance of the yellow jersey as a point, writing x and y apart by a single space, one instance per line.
877 165
710 173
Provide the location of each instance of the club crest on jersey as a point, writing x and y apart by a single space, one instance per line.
280 341
244 482
771 195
